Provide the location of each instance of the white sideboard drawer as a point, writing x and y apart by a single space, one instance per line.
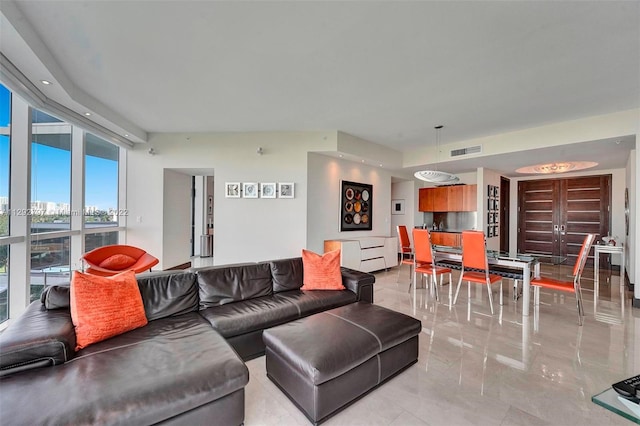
371 253
368 242
372 264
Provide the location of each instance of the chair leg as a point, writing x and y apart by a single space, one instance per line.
434 282
458 289
536 295
501 293
580 307
515 290
490 298
412 282
450 286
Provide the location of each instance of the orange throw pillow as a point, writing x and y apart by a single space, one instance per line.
103 307
321 272
117 262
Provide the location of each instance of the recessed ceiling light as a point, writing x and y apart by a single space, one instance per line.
87 114
341 155
45 82
363 161
380 165
126 135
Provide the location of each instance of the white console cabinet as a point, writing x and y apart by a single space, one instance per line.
366 254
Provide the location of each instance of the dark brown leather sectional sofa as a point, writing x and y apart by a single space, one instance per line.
184 367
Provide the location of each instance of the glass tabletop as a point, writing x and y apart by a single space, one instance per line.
610 400
497 254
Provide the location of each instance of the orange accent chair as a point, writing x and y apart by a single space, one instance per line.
405 250
113 259
424 262
568 286
475 267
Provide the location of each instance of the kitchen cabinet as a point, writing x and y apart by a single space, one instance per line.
425 200
455 198
451 239
469 198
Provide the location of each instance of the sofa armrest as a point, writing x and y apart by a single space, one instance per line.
38 338
361 283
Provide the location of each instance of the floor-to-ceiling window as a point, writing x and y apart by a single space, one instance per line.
66 204
50 200
100 192
5 134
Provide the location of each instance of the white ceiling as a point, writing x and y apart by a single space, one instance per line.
385 71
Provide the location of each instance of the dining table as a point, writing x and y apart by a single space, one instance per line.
518 266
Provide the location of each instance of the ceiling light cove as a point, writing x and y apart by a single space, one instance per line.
557 167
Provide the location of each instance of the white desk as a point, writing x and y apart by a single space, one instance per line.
601 248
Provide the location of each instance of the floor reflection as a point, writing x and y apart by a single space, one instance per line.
478 368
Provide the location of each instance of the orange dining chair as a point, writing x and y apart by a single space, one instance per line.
424 262
475 267
113 259
568 286
406 252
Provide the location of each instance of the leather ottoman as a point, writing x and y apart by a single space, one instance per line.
326 361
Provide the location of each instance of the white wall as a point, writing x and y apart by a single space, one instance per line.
176 220
199 225
245 229
323 211
406 191
633 183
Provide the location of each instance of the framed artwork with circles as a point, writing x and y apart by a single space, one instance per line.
356 206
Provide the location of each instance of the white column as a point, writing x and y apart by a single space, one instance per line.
77 197
20 194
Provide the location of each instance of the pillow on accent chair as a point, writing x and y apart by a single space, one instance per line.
117 262
321 272
103 307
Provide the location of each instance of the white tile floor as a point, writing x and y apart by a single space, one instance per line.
475 368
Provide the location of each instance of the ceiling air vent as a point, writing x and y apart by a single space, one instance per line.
466 151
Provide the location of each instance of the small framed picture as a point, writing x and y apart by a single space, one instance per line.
286 190
397 206
232 190
268 190
250 190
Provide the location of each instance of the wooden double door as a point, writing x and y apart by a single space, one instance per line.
554 215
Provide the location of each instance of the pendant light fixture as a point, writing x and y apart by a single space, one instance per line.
436 176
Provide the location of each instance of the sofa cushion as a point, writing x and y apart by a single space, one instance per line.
311 302
219 286
166 294
321 272
287 274
37 338
233 319
103 307
148 375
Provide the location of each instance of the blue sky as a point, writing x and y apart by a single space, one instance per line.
51 180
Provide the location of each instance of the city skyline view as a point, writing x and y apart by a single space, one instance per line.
51 164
